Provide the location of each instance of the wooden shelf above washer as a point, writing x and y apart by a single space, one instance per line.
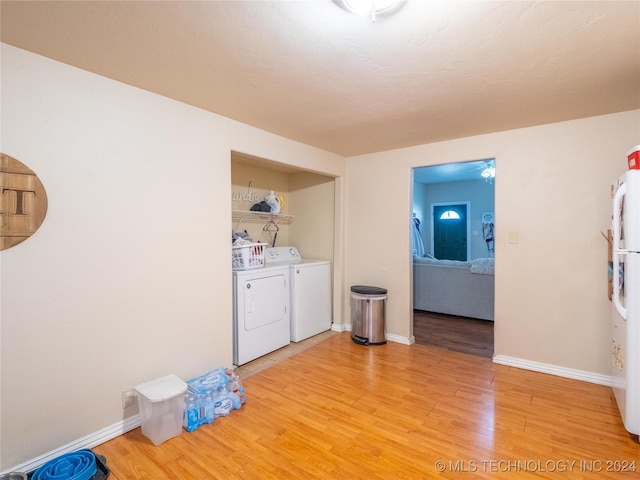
260 217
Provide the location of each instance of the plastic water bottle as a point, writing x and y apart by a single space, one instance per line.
222 402
191 419
207 413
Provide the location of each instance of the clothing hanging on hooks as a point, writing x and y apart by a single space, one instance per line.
417 245
487 232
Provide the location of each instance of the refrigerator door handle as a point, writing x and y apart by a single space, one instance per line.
616 285
617 201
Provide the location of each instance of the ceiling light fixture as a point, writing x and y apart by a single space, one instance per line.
489 172
370 7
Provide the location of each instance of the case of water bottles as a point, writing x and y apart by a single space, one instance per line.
211 395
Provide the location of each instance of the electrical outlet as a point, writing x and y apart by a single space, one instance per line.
128 398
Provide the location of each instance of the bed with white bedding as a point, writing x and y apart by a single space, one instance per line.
453 287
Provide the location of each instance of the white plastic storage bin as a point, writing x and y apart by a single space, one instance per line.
161 404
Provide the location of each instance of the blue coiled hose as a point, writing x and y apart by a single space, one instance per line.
80 465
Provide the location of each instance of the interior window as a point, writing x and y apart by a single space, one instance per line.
449 215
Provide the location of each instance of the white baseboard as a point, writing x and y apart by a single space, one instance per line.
389 336
340 327
400 339
573 373
89 441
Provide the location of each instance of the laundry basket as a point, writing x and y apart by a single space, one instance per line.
247 257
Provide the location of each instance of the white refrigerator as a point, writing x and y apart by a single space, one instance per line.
625 365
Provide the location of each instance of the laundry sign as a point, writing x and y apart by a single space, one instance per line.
23 202
250 196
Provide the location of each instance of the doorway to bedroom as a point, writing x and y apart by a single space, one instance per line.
453 256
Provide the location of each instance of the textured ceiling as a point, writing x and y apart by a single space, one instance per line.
312 72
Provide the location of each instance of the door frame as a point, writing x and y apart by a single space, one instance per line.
444 204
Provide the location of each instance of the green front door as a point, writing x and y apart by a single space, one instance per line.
450 232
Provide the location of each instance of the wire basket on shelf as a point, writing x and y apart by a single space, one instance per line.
247 257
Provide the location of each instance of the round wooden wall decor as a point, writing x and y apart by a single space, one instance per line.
23 202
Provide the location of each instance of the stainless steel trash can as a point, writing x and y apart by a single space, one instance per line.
368 306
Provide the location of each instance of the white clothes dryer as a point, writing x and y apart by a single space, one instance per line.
310 291
261 312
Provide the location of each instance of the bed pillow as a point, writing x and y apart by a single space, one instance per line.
435 261
484 266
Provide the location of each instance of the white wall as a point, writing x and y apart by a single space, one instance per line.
552 189
313 206
129 277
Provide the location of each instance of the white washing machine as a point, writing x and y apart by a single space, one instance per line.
310 291
261 312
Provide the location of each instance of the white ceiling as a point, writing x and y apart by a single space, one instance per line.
312 72
452 172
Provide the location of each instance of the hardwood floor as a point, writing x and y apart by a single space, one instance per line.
338 410
459 334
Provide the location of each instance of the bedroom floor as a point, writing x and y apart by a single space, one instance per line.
458 334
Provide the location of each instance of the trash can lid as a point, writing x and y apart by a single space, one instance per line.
366 290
